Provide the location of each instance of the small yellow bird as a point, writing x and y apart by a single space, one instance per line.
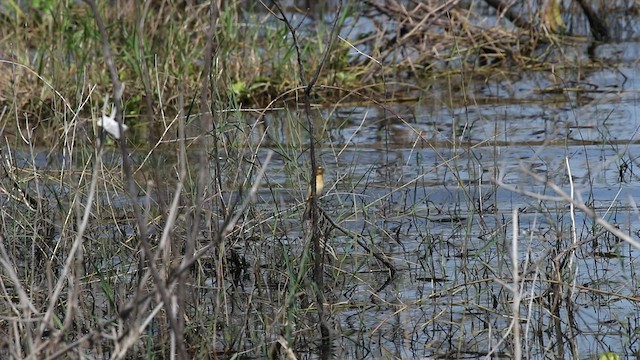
319 186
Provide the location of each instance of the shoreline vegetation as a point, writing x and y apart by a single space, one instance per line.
52 54
177 240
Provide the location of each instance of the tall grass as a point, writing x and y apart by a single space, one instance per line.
187 239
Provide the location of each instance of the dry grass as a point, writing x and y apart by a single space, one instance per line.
182 241
159 51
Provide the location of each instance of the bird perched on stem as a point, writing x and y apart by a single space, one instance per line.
319 186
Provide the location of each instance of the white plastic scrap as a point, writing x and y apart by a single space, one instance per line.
110 124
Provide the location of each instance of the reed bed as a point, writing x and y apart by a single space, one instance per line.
186 237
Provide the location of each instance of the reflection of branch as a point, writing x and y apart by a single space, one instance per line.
509 13
598 28
563 196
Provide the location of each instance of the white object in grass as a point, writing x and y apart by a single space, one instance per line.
110 124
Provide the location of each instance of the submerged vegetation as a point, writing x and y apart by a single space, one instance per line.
186 237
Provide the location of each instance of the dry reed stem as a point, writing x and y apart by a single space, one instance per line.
564 197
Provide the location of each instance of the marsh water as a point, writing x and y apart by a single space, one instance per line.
440 200
433 186
423 183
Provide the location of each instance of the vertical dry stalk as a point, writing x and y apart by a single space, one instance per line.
515 288
152 129
118 89
577 203
318 270
206 127
68 274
